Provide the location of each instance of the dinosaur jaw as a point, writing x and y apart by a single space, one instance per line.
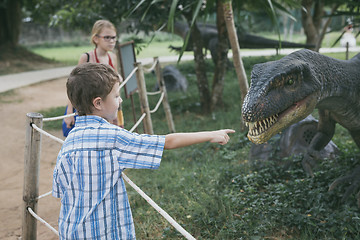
261 131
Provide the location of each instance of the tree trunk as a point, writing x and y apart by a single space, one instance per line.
200 69
10 23
323 32
221 59
238 64
312 23
285 26
308 23
291 31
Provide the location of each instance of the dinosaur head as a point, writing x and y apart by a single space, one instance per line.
281 93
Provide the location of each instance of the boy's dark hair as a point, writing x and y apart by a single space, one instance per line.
87 82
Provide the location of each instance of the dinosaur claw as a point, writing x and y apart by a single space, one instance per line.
307 168
338 181
353 179
308 163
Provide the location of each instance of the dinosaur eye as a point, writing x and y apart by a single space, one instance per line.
290 81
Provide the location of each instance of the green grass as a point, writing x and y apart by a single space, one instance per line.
215 192
66 54
70 54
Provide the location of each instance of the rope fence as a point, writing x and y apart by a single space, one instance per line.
158 103
44 195
138 122
42 221
128 77
59 117
148 70
154 93
32 159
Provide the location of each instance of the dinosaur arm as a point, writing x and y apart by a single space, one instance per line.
356 136
326 130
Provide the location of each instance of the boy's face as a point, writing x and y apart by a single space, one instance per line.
110 104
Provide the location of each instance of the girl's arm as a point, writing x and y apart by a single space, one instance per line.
177 140
70 121
83 58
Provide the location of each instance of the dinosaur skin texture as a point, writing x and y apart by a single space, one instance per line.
286 91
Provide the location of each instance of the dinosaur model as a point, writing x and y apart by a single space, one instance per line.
286 91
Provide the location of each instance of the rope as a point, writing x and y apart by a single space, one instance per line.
59 117
47 134
42 221
159 209
44 195
138 122
144 114
158 103
128 77
153 93
147 70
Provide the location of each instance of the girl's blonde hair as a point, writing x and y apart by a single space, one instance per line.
99 25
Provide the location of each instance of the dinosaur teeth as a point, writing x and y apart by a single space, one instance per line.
257 128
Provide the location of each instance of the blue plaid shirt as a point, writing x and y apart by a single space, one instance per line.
87 178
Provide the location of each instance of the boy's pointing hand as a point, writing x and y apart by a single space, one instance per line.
221 136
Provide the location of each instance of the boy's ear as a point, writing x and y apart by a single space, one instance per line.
97 103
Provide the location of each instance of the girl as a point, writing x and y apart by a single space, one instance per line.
103 36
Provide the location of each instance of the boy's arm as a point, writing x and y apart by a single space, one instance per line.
177 140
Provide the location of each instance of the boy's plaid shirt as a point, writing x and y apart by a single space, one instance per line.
87 178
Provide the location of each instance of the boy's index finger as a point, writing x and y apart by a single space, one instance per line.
229 130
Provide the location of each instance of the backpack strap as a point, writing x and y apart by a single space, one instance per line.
88 57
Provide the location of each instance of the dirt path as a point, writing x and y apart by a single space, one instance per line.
13 109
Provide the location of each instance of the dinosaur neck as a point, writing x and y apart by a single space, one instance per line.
338 78
339 84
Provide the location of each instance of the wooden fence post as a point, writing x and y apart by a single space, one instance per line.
31 175
143 98
165 102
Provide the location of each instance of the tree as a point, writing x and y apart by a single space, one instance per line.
199 56
10 22
238 64
317 15
222 49
312 15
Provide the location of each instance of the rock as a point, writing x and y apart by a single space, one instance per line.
174 80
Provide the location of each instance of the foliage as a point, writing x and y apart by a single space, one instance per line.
76 14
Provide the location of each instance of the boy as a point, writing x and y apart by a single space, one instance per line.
87 176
